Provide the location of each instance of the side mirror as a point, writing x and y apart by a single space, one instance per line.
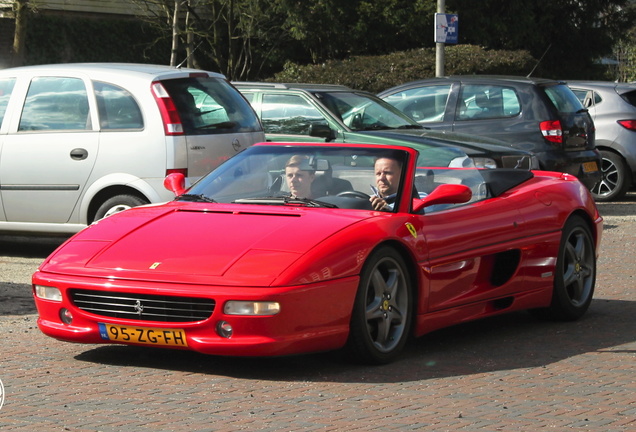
175 182
444 194
322 131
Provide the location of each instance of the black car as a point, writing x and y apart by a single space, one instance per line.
538 115
304 112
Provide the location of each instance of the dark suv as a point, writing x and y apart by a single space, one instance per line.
538 115
304 112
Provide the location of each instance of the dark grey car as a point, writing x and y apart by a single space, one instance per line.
538 115
613 109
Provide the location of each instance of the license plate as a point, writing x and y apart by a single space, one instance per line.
589 167
143 335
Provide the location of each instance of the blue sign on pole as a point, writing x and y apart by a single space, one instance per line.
446 28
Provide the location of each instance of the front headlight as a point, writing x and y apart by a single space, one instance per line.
234 307
48 293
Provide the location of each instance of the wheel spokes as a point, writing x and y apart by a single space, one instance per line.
384 311
578 271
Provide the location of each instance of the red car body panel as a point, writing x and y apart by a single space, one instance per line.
309 260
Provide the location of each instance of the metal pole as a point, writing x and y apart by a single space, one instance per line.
439 47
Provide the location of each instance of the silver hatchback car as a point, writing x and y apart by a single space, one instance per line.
613 109
81 141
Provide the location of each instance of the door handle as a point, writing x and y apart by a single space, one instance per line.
79 154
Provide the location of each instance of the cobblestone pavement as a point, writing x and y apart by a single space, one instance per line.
510 373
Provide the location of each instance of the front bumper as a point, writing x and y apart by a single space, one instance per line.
313 317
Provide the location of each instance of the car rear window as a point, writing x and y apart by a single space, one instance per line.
563 98
209 105
630 97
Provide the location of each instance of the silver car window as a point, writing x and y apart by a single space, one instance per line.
56 104
6 87
118 109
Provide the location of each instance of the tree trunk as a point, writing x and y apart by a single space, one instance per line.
175 33
21 11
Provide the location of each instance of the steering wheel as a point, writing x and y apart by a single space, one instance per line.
354 194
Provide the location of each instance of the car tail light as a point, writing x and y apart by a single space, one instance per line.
628 124
552 131
169 114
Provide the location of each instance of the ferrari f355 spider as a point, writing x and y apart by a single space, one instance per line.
305 247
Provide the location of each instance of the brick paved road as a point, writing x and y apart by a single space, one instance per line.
511 373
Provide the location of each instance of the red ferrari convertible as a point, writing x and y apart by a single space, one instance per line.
292 248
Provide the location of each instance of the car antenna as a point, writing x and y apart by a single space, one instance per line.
189 55
535 66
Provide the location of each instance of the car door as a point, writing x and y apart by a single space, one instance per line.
493 111
49 149
473 251
6 89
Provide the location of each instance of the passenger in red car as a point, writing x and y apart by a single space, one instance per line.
387 178
299 176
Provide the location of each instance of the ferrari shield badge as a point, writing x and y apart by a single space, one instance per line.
411 228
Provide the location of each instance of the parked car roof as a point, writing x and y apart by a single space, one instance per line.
131 68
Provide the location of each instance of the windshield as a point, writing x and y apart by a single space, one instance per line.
315 176
362 112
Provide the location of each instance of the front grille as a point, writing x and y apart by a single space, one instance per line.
143 307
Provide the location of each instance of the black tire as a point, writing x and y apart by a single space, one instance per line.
116 204
615 178
575 274
383 309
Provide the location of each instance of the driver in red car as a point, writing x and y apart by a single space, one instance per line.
299 176
387 179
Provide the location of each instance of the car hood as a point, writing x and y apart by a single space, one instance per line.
195 243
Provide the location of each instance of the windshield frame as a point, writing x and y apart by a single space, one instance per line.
249 176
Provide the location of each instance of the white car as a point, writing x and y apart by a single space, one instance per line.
81 141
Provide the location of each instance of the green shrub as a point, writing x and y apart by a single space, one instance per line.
376 73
